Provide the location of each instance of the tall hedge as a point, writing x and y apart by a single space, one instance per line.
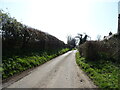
16 35
107 49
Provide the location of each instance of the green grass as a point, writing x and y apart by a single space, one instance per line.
104 73
18 63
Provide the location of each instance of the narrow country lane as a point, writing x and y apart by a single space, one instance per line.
60 72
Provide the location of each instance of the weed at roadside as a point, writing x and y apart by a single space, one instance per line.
103 73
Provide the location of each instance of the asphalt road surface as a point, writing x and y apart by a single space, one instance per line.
60 72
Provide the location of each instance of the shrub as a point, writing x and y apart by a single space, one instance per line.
108 50
16 64
104 73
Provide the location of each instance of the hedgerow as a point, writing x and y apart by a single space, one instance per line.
24 47
104 73
17 64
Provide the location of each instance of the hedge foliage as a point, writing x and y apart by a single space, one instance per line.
24 47
17 64
104 73
16 35
93 50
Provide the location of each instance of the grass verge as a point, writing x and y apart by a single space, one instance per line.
18 63
104 73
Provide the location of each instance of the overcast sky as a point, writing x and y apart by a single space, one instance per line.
66 17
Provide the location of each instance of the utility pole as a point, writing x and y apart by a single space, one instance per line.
119 24
118 18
